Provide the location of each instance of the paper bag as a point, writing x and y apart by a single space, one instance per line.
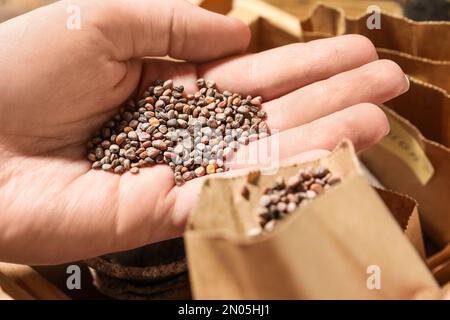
423 39
404 209
439 264
409 163
324 250
418 47
428 108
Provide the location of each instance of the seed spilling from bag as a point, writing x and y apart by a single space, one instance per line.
284 197
193 133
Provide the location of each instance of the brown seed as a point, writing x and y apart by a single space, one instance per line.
243 109
158 90
187 176
106 144
179 181
256 101
159 144
210 169
168 84
106 167
245 193
92 157
263 127
119 169
310 194
134 170
281 206
114 148
143 136
150 100
199 172
236 101
172 123
265 200
210 84
293 182
130 154
132 135
121 138
143 155
97 165
253 177
291 206
153 152
269 226
127 129
127 164
317 188
154 122
134 123
146 144
333 181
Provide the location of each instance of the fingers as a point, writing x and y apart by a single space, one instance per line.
276 72
375 83
139 28
364 124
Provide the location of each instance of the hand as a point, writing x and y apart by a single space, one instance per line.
59 85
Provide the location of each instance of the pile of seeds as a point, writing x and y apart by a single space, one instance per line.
284 197
193 133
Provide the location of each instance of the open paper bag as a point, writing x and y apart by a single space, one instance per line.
323 250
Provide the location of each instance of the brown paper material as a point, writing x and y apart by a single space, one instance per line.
418 47
439 264
270 26
404 210
430 71
428 108
423 39
392 171
320 251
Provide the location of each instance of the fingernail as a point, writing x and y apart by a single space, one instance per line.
408 84
388 130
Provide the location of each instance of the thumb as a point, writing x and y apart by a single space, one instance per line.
177 28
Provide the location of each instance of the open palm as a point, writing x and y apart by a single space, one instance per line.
59 85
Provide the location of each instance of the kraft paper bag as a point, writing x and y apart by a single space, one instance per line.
423 39
270 26
425 70
321 251
407 162
428 108
420 48
404 209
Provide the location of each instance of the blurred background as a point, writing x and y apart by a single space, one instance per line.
419 10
